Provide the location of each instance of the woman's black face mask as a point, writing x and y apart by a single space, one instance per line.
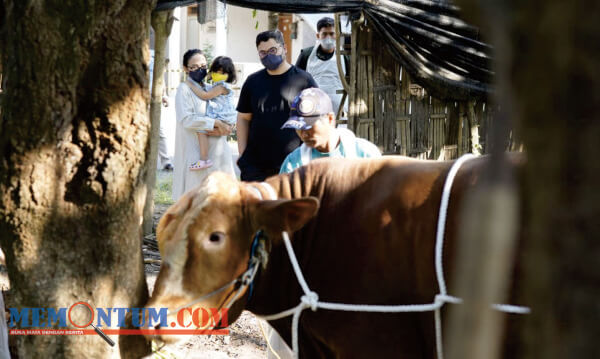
198 75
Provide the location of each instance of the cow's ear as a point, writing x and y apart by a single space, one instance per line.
285 215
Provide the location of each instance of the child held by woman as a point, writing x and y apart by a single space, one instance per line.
221 104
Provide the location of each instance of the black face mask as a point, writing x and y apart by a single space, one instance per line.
198 75
272 62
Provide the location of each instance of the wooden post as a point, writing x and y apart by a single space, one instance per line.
369 98
338 59
353 110
473 123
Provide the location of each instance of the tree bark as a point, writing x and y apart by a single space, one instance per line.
555 73
552 64
162 22
74 139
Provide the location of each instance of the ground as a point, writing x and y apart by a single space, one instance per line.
245 339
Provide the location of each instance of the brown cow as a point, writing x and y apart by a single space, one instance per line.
371 242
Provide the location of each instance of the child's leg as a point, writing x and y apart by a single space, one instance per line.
203 142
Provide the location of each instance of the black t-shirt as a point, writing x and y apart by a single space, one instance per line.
268 97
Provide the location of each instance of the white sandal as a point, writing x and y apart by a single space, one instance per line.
200 165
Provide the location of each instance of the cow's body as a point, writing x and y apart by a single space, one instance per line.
371 242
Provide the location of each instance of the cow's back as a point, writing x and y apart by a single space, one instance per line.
372 242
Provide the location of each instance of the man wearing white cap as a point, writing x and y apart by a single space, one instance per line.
313 118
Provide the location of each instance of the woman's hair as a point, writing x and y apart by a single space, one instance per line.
189 54
225 64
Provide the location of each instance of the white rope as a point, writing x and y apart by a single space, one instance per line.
514 309
439 246
441 225
310 299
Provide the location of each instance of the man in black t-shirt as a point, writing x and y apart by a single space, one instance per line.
264 107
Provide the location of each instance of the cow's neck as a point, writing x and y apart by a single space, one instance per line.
277 288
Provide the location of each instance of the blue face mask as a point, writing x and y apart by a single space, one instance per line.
271 62
198 75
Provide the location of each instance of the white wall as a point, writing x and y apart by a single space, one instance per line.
241 33
306 36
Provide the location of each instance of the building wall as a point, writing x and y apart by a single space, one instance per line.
306 36
241 33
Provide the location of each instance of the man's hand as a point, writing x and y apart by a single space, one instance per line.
165 101
220 129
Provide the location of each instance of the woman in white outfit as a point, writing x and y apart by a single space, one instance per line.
191 118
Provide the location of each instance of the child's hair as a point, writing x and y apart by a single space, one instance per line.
225 64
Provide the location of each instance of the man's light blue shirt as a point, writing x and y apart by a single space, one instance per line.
360 148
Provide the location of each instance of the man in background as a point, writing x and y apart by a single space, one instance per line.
263 107
164 161
320 61
312 117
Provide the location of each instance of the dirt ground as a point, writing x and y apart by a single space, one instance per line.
244 341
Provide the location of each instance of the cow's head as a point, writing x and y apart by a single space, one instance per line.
205 239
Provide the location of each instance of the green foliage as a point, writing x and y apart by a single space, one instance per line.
254 12
207 49
161 352
163 188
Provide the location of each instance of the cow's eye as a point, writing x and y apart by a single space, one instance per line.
216 237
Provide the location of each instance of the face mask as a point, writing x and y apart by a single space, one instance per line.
216 77
198 75
271 62
328 43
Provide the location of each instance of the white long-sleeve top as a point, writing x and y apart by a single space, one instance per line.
191 118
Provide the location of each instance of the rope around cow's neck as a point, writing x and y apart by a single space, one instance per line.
310 299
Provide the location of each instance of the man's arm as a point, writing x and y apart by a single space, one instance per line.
243 125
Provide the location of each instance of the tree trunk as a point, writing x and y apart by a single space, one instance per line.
552 61
74 140
162 22
556 62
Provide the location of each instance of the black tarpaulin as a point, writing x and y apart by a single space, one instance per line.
439 50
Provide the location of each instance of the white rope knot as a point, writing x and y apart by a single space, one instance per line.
310 300
444 298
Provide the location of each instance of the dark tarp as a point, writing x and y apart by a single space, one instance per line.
439 50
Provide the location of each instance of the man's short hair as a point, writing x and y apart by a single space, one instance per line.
270 34
325 22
